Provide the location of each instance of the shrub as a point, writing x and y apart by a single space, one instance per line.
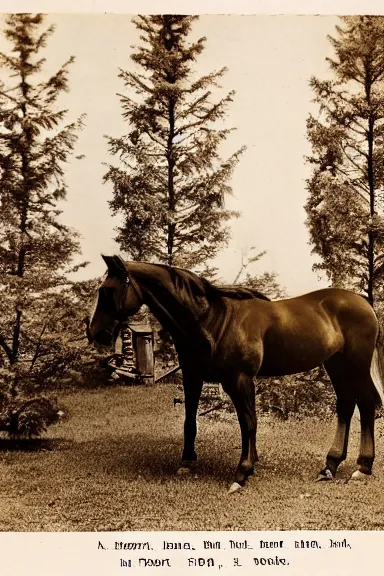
307 394
21 417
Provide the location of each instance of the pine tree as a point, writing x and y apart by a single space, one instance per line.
267 283
171 182
36 249
345 190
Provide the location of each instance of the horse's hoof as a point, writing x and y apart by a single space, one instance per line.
325 475
359 476
183 471
186 467
234 488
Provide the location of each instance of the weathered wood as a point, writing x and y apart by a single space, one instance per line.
144 355
126 373
134 345
216 407
167 373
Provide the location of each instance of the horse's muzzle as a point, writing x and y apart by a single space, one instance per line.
103 337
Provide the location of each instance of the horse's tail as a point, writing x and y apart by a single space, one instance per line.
377 371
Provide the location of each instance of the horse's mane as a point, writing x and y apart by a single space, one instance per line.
182 297
202 286
236 292
191 287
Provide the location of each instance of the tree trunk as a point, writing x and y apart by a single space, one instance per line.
171 190
371 183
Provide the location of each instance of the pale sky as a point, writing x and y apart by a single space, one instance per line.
270 61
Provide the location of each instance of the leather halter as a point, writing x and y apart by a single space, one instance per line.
122 315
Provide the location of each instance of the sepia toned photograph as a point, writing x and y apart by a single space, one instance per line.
191 272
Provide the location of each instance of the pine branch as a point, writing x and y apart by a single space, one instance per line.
134 81
38 346
6 348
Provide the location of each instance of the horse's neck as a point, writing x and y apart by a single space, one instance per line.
219 315
166 310
188 327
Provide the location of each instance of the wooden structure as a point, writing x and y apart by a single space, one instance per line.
143 341
212 392
134 358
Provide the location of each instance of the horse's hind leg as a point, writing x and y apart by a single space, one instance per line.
242 394
345 405
366 402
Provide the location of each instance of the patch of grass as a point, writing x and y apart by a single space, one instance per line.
111 466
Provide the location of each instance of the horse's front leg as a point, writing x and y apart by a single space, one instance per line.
192 384
242 393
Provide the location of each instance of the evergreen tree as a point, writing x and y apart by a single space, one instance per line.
171 182
345 190
267 283
36 249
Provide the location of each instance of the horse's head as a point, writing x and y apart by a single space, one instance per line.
117 299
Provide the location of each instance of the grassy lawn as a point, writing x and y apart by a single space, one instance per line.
111 466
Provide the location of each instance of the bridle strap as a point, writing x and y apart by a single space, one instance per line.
136 287
121 315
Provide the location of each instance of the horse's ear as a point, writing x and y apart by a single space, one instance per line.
120 265
116 265
107 259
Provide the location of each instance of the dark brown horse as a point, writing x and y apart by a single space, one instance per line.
231 335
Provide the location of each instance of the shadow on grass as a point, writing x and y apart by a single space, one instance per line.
151 459
159 457
34 444
156 460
